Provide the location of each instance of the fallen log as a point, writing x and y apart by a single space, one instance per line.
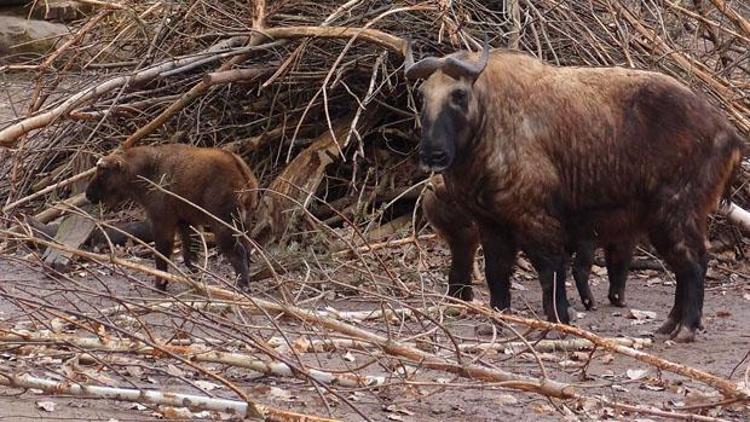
195 353
242 409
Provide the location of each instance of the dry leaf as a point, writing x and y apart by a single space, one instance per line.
175 412
174 371
279 393
134 371
579 356
47 406
635 374
608 358
641 315
207 385
301 345
137 406
396 409
697 397
349 357
542 408
57 325
506 400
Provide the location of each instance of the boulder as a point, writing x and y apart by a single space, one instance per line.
20 35
61 10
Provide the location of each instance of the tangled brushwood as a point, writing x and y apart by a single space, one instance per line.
312 95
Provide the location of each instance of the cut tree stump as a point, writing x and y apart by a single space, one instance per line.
73 231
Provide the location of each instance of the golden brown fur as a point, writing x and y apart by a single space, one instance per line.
214 181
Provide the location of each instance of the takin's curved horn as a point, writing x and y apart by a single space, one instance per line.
456 68
421 69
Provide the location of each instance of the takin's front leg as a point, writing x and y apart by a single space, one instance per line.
499 259
459 230
236 251
188 246
163 232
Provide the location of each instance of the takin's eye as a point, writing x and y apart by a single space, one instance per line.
460 98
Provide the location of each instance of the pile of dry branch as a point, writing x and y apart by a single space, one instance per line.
312 95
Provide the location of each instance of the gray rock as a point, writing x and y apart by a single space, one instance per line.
19 35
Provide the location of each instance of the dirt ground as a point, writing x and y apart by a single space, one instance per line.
722 350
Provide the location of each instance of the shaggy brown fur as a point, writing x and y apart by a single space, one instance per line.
217 181
538 154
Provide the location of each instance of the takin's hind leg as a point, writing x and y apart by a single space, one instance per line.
163 232
584 259
685 253
618 256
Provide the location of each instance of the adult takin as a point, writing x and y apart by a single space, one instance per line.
539 155
181 186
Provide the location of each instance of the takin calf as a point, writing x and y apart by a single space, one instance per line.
454 225
199 181
541 155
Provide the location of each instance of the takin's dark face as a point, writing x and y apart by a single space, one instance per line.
111 181
450 109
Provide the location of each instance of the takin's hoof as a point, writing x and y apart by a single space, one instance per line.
589 304
552 335
499 306
669 328
488 329
464 293
566 317
161 285
683 334
617 300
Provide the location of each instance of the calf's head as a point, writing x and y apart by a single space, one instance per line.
450 105
111 181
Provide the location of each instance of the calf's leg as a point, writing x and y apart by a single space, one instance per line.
163 232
